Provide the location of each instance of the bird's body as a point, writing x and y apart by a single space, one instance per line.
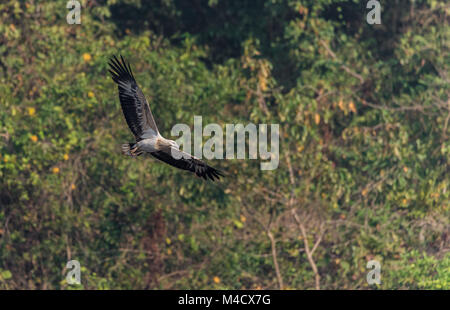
151 144
141 123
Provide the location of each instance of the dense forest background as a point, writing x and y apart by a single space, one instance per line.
364 118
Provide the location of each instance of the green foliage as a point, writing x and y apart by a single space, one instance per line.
421 272
364 147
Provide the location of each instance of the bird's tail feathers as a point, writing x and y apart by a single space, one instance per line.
131 149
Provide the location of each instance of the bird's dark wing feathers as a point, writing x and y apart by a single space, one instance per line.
134 105
194 165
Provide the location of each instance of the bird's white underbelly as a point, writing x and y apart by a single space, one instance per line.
148 145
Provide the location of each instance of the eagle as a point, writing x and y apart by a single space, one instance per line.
142 124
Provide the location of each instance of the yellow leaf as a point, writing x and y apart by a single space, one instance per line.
91 94
31 111
263 83
364 192
341 105
86 57
317 119
55 170
352 107
66 156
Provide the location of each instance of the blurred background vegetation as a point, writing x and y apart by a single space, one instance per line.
364 117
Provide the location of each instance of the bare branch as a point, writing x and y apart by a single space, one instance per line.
347 69
309 253
275 260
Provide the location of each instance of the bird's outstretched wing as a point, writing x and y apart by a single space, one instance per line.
134 105
189 163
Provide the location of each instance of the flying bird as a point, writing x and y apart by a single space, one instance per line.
142 124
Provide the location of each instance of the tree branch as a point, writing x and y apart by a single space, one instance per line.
275 260
309 252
